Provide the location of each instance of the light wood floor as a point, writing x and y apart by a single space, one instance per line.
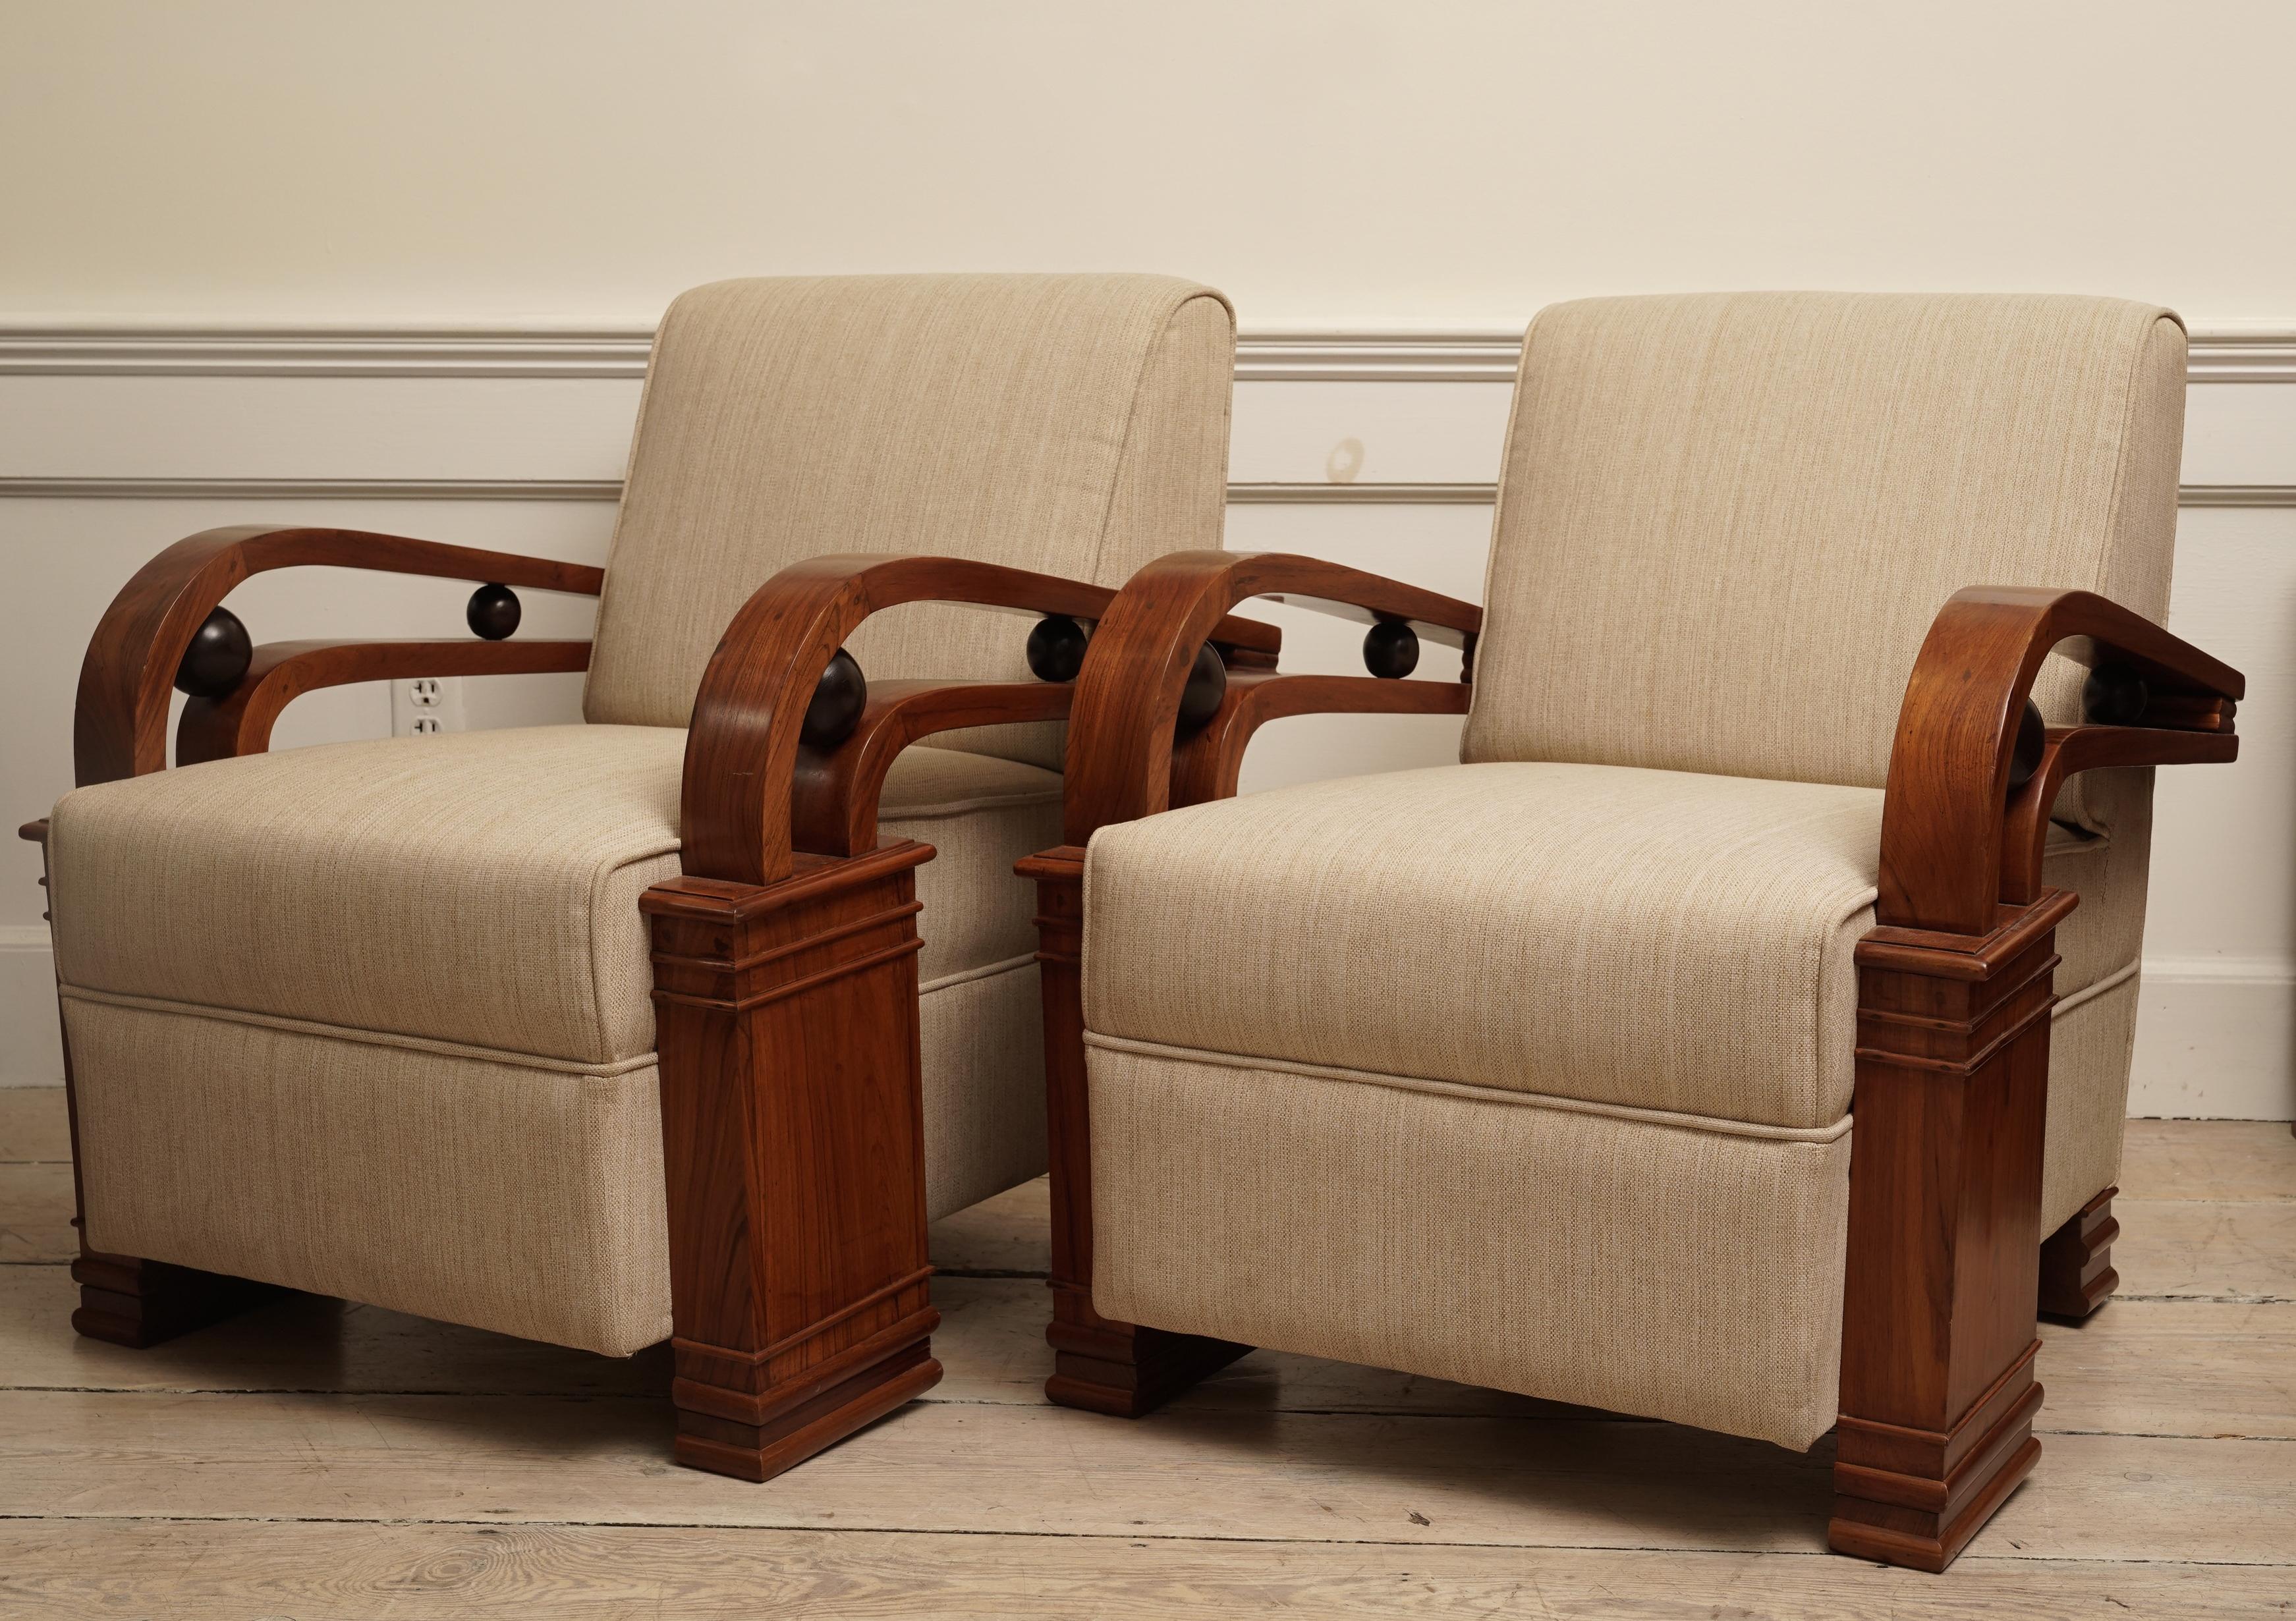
319 1460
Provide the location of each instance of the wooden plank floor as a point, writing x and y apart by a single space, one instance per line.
320 1460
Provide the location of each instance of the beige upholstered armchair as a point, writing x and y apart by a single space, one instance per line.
1720 1041
600 1033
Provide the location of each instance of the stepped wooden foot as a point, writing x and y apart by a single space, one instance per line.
134 1303
1121 1369
2077 1275
793 1143
1938 1393
729 1429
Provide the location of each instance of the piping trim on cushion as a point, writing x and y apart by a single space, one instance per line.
964 808
1711 1124
373 1038
2090 992
966 975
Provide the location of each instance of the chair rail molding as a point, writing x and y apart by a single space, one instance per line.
2223 350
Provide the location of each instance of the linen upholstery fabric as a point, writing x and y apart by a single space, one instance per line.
479 887
1618 1259
475 1189
1069 425
1517 1242
478 1187
1727 520
1657 940
2090 1041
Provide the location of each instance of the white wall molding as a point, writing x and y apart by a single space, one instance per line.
106 487
2223 351
158 351
1276 493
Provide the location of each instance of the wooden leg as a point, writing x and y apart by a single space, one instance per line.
793 1140
134 1303
1117 1368
2077 1275
1938 1394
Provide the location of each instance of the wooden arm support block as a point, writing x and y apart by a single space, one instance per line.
794 1142
785 991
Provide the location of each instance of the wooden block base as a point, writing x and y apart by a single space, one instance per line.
794 1425
2077 1275
1125 1371
124 1301
1915 1497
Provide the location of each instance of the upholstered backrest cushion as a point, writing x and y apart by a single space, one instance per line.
1071 424
1727 520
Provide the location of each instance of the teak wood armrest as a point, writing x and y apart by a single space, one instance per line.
833 803
1123 763
1950 852
119 725
744 795
281 671
1206 766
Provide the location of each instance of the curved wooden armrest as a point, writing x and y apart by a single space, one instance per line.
1121 748
120 726
281 671
1206 766
741 751
2071 749
1946 824
834 805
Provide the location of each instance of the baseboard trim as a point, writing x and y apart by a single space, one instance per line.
2216 1039
31 1052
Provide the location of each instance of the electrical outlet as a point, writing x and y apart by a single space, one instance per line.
425 706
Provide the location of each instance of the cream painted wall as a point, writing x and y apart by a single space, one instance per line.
580 161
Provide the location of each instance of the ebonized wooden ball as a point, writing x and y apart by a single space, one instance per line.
2032 736
1206 686
217 656
1391 649
2114 695
838 699
493 613
1056 648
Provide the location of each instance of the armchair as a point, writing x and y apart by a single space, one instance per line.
1700 1047
629 1030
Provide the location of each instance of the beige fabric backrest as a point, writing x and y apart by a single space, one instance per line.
1727 520
1070 424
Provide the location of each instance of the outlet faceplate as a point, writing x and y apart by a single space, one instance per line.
426 706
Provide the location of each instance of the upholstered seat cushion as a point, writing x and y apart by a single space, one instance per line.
480 889
1660 940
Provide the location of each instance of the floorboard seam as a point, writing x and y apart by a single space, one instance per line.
1108 1536
936 1401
